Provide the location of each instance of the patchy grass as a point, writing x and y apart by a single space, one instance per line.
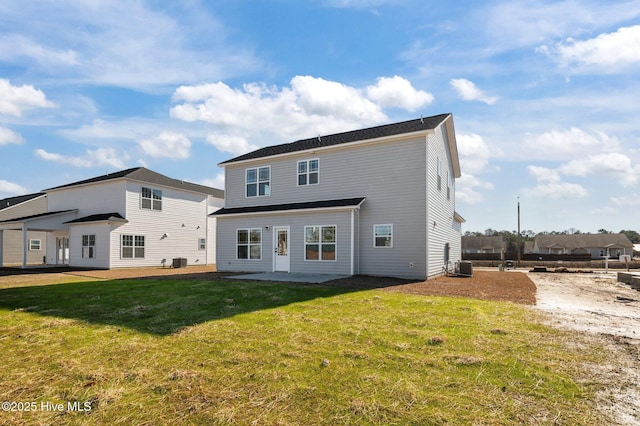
196 352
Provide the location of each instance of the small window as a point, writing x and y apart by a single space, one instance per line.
89 246
320 243
202 243
258 182
151 199
383 235
132 247
249 244
308 172
35 245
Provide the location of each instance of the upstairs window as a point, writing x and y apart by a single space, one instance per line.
151 199
89 246
308 172
258 182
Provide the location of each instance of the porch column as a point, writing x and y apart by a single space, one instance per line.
1 244
24 245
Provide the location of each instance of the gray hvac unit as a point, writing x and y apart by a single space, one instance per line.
466 268
180 262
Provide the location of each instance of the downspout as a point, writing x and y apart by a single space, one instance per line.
353 212
1 244
24 245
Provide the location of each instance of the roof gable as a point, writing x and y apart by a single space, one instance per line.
410 126
145 175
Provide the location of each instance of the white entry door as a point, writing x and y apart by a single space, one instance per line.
62 250
281 250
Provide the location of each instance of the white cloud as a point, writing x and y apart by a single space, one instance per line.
398 92
92 158
12 188
612 165
235 145
468 91
631 200
467 187
8 136
565 144
166 144
217 182
308 107
611 51
550 185
474 153
14 100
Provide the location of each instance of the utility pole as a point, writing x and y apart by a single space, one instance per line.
518 259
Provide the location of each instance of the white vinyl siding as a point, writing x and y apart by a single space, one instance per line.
383 236
308 172
320 243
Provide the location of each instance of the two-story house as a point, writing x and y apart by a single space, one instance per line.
131 218
376 201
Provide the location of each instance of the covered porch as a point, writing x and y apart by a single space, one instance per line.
53 223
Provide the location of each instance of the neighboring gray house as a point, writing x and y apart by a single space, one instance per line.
11 241
376 201
598 245
483 244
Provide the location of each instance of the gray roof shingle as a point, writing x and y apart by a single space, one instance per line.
410 126
149 176
572 241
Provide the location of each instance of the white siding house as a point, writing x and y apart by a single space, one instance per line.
131 218
376 201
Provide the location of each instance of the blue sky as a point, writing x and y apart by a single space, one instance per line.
544 94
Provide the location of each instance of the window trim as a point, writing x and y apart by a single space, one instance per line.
257 182
91 248
152 200
248 244
31 244
375 235
320 243
134 246
308 172
202 244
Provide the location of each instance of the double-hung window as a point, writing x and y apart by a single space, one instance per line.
258 182
320 243
383 235
308 172
249 243
89 246
132 246
151 199
202 243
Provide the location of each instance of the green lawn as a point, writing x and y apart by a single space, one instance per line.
194 352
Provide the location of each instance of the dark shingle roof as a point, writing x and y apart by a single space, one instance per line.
417 125
146 175
345 202
34 216
483 242
12 201
100 217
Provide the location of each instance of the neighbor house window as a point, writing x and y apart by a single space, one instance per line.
383 235
320 242
249 243
35 244
89 246
151 199
439 174
202 243
308 172
258 182
132 246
